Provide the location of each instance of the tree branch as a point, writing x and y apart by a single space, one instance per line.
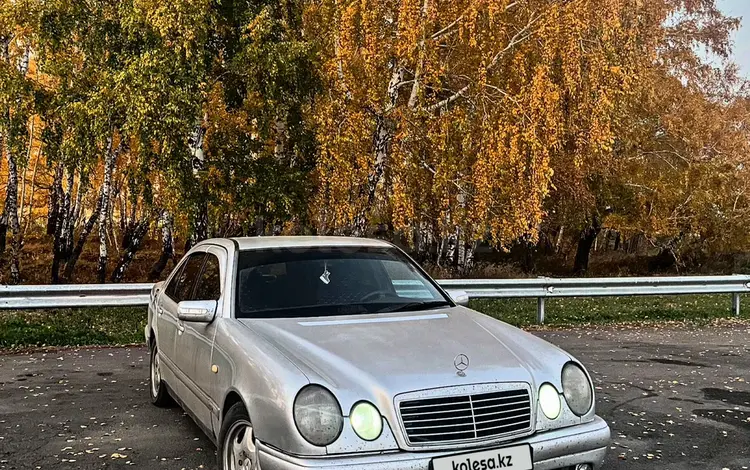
518 38
447 29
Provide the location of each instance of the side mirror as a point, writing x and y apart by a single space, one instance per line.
197 311
460 297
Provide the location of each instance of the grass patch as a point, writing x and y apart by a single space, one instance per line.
696 309
72 327
118 326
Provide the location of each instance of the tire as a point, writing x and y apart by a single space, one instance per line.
156 387
236 449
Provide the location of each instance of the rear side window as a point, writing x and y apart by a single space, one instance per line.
185 280
209 284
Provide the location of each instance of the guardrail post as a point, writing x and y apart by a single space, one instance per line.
540 310
736 304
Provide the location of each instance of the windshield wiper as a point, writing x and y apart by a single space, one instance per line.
416 306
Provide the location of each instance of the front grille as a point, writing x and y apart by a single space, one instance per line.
467 417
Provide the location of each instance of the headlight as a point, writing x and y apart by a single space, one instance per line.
318 415
366 421
549 401
577 389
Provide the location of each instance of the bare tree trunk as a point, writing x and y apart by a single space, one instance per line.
63 236
585 243
260 226
55 194
423 242
200 214
110 162
200 224
4 56
3 227
82 237
383 138
66 232
451 254
126 224
470 247
11 213
22 208
441 248
9 217
29 219
128 230
23 63
414 95
111 229
282 137
558 242
74 218
22 202
167 246
136 240
195 143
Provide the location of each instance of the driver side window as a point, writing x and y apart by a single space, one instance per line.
209 284
181 286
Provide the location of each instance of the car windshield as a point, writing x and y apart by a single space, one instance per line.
286 283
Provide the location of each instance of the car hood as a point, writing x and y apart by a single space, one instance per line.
379 356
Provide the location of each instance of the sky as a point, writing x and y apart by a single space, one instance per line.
740 8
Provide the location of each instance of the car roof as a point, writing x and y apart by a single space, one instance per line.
256 243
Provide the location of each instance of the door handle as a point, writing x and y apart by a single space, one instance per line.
159 310
180 327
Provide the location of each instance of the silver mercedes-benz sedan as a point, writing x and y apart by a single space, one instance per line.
342 353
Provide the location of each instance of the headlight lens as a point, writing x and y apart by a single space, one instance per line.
577 389
318 415
549 401
366 421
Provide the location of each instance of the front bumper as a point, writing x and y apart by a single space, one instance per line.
585 443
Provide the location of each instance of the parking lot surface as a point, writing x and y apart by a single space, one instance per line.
675 397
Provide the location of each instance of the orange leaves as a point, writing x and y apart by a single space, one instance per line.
496 104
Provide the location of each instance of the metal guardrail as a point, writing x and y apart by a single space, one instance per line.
112 295
74 295
544 288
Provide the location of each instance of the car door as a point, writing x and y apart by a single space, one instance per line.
180 288
195 340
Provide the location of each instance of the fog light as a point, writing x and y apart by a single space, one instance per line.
366 421
584 466
549 401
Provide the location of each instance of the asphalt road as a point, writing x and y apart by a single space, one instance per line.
676 398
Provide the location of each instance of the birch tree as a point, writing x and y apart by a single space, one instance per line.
656 143
449 114
16 134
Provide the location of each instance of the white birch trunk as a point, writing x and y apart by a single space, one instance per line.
136 239
110 161
167 246
30 217
282 137
200 214
11 213
414 95
382 141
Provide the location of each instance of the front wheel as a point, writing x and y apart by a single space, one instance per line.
159 394
237 449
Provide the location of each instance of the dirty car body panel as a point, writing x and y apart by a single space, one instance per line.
358 322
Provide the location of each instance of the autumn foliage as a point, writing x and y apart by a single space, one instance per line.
438 123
